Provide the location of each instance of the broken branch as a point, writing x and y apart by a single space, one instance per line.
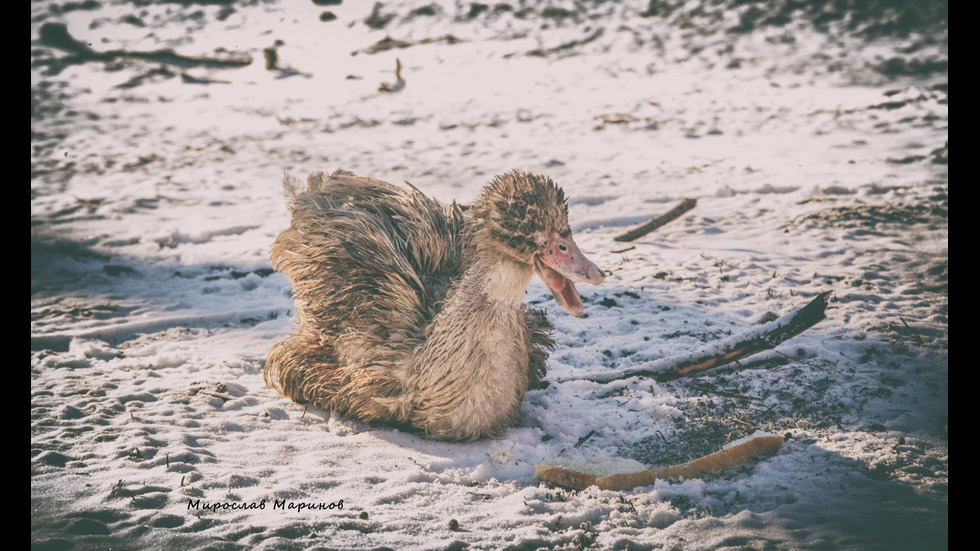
733 455
56 35
657 221
731 349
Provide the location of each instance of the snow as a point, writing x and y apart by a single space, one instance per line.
153 305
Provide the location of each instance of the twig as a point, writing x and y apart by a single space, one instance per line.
585 438
56 35
580 480
657 221
624 250
728 350
399 81
726 394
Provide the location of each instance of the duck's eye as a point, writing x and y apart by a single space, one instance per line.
562 248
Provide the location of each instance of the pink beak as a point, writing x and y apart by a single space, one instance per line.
559 264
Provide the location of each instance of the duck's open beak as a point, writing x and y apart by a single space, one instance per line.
560 263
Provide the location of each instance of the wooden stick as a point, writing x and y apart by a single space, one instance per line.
657 221
580 480
728 350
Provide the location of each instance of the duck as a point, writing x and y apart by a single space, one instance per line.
409 310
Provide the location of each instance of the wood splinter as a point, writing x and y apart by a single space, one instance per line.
399 81
579 480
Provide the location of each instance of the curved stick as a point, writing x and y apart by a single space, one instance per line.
739 453
727 350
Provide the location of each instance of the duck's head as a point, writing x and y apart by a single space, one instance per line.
524 217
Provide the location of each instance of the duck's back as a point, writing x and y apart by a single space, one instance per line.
369 262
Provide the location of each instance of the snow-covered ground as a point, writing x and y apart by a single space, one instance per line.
814 141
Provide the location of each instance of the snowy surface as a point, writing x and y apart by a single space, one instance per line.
817 153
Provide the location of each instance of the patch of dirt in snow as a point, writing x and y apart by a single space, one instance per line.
813 134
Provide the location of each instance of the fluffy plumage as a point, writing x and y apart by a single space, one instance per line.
409 310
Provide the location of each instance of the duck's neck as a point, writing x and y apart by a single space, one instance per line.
501 281
468 379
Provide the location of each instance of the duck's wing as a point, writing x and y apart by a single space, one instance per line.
369 261
539 344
